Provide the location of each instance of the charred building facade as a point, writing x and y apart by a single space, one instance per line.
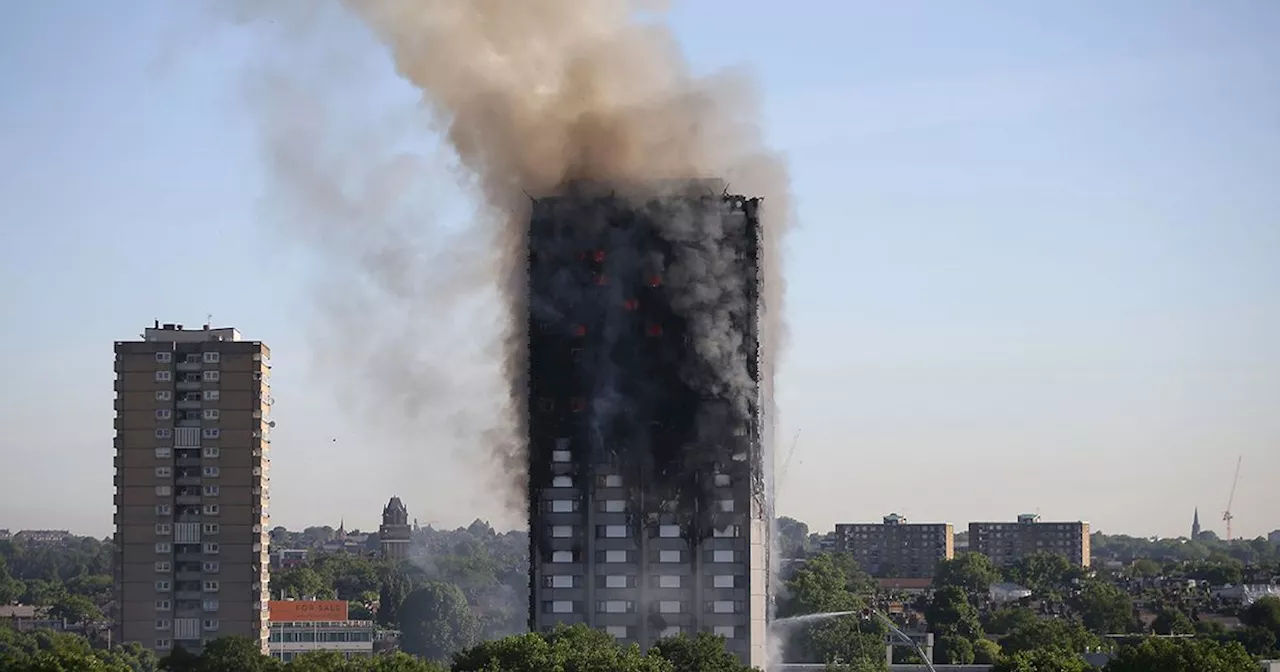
649 502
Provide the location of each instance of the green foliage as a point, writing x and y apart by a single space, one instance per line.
1049 632
1006 620
951 613
822 585
436 621
986 652
971 572
45 651
1172 621
579 648
848 640
1046 574
704 653
1044 659
300 583
1182 655
1145 567
953 649
1105 609
793 538
1263 613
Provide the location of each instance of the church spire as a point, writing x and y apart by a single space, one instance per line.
1195 525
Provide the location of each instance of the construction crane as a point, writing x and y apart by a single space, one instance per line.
1226 515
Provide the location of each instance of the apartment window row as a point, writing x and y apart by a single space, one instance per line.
209 548
624 532
206 357
629 607
574 505
662 556
629 581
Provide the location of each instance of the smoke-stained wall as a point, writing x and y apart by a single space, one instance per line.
643 378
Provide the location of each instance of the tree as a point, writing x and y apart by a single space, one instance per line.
985 652
301 583
819 587
1181 655
1046 574
235 654
850 641
793 537
1046 659
953 649
579 648
1004 621
972 572
1105 609
395 587
703 653
951 613
1263 613
1172 621
436 621
1145 567
76 609
1049 632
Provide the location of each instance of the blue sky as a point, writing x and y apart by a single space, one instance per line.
1037 268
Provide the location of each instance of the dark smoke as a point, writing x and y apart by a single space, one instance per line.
529 96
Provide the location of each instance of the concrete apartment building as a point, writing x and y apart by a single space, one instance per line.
191 475
648 502
895 548
1006 543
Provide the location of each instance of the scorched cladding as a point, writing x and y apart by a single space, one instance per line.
647 496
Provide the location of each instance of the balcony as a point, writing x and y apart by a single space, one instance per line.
187 576
189 365
188 595
187 462
186 480
187 384
187 499
188 404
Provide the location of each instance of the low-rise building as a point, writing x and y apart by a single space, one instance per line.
304 626
42 536
1006 543
895 548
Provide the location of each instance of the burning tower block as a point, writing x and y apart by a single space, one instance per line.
648 500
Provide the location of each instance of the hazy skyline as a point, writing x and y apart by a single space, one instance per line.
1037 267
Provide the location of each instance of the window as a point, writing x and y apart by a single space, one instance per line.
164 357
564 505
723 556
558 607
162 605
562 556
728 532
726 505
210 528
210 491
212 357
670 607
722 581
210 414
163 472
162 567
163 491
211 395
162 547
162 453
722 480
210 586
211 567
559 581
210 451
163 645
669 531
726 631
210 376
611 531
723 607
210 605
162 509
211 623
164 528
211 548
561 456
163 395
163 414
164 433
162 586
611 481
615 607
615 556
210 509
164 376
669 581
209 433
561 531
210 472
669 556
615 506
618 631
616 581
562 482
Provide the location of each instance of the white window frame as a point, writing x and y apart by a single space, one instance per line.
164 395
210 586
211 395
210 567
163 567
163 509
209 528
164 357
210 471
164 453
164 472
210 605
164 432
164 528
163 605
163 586
210 414
164 624
212 357
163 414
163 547
210 451
163 644
209 433
211 491
211 548
210 624
163 491
210 376
164 376
210 510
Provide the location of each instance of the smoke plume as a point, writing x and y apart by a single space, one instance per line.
527 96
